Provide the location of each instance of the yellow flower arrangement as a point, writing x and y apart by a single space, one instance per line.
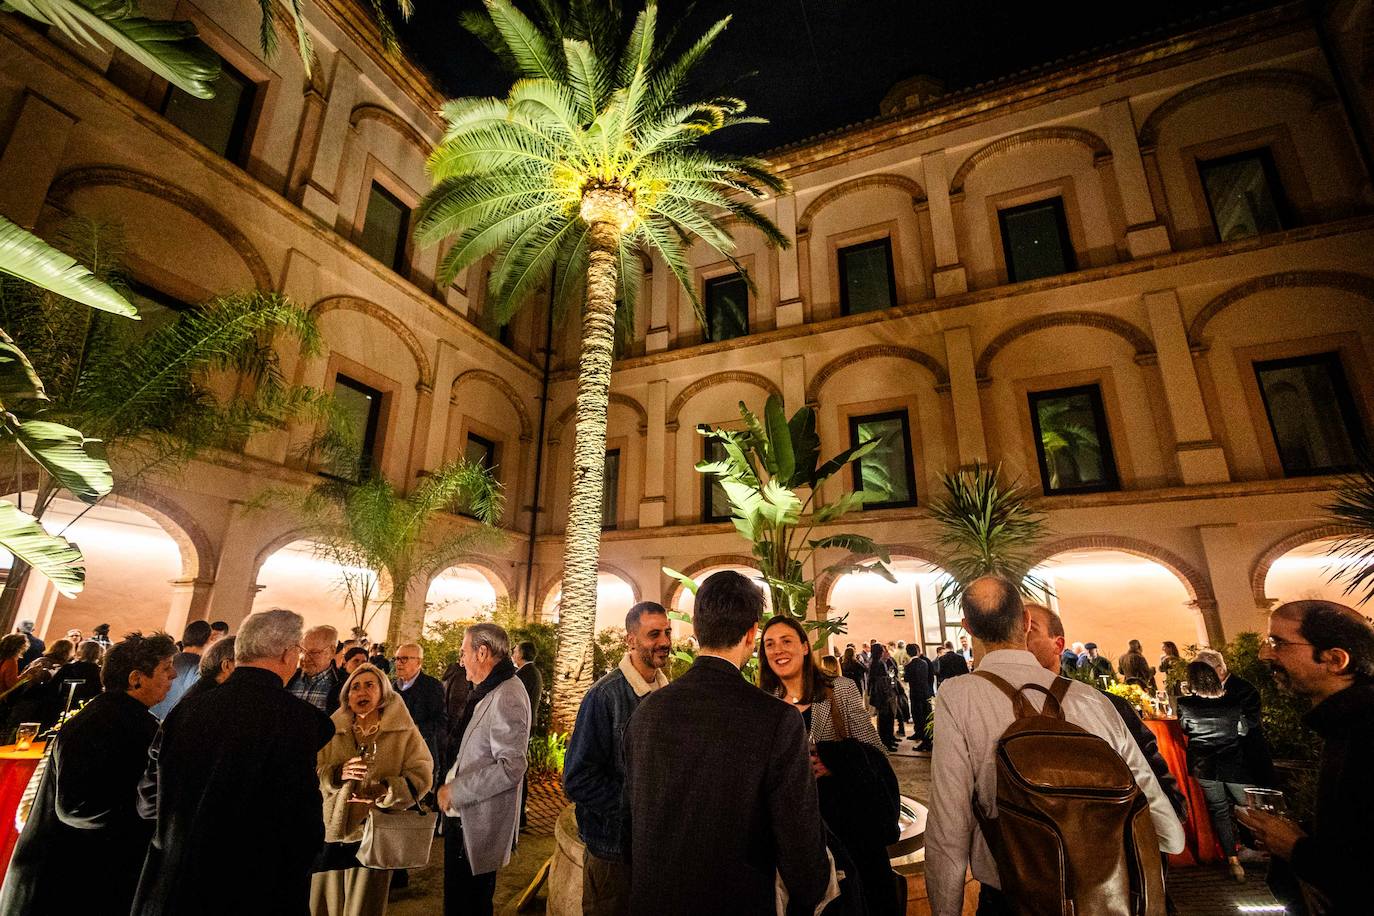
1137 697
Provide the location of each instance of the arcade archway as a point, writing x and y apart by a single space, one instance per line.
298 578
908 610
615 595
464 591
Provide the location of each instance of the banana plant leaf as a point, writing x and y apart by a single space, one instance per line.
806 446
67 455
49 554
18 381
26 256
779 440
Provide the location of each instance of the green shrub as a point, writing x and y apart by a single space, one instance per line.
546 754
608 650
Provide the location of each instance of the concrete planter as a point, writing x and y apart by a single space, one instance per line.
565 875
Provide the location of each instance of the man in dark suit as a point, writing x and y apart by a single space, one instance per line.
235 790
949 664
423 696
746 811
528 673
919 673
85 810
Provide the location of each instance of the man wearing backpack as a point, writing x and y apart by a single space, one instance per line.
1054 778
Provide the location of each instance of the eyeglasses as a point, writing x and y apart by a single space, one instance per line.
407 658
1276 643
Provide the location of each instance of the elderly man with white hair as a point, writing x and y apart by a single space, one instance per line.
235 790
480 796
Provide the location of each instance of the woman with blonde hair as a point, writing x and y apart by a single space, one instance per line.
376 757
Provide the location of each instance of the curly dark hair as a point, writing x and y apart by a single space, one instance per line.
134 652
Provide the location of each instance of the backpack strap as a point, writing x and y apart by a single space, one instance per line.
1020 704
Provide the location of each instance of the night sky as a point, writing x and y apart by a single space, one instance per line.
814 65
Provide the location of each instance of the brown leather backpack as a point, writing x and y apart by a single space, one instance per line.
1072 835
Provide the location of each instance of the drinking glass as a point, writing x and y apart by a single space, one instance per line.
23 737
1268 800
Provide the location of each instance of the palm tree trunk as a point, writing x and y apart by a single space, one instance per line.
582 539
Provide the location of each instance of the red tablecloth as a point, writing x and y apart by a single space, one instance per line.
1202 847
15 769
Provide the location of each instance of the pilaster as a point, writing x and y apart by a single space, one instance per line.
652 506
35 151
950 277
1200 456
963 387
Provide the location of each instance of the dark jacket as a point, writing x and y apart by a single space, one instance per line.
1254 747
743 807
533 680
594 767
236 794
919 673
456 690
856 672
425 700
1149 747
1134 664
36 648
948 665
1213 727
88 673
882 693
85 817
1340 842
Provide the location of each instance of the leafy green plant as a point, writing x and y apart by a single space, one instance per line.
610 649
771 474
594 157
1063 438
985 528
1354 507
382 541
546 754
442 642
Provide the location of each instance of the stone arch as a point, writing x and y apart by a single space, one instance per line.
1294 81
506 388
711 381
1138 339
75 179
392 323
854 185
624 400
1199 587
825 583
555 582
290 536
875 351
712 562
392 120
199 557
1259 573
1356 284
1102 153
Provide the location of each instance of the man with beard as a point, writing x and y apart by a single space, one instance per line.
1324 652
594 768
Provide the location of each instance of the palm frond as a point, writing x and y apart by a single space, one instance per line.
1354 508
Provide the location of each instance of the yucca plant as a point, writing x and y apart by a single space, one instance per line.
1354 508
986 528
593 157
771 474
382 540
169 49
142 389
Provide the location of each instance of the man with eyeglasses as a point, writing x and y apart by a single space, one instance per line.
317 681
1324 652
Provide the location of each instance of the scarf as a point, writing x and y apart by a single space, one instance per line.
504 671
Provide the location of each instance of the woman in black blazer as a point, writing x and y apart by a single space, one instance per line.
1215 724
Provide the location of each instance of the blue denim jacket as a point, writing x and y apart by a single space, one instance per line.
594 767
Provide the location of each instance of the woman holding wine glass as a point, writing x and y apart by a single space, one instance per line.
377 757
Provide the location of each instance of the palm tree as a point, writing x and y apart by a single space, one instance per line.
985 529
592 157
1354 508
143 391
1061 435
383 541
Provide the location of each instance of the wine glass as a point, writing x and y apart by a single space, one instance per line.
1268 800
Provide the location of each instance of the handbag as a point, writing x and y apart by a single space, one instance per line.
397 839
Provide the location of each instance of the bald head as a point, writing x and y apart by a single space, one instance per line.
993 612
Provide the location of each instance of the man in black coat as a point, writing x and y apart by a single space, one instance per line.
949 663
742 808
919 673
235 788
424 698
84 816
1324 651
528 673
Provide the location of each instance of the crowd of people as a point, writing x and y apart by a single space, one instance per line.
274 751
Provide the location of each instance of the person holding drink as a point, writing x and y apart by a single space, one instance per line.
377 757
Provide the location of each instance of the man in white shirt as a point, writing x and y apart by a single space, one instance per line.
970 716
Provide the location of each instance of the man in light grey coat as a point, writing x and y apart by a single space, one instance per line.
480 796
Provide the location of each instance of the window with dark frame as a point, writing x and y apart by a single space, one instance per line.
1035 240
610 489
727 307
867 280
220 123
885 474
1244 194
1072 443
480 451
1312 415
715 505
362 406
385 225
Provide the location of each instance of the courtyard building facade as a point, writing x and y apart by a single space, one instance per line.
1139 281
